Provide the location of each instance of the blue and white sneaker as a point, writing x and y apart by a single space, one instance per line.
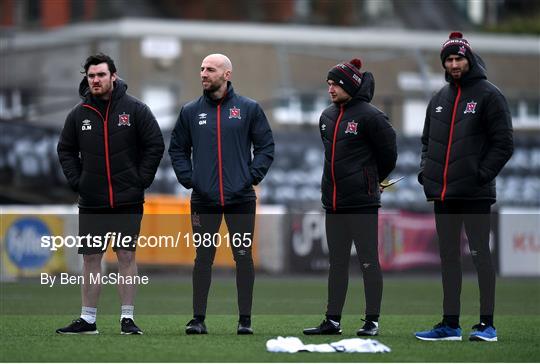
440 332
483 332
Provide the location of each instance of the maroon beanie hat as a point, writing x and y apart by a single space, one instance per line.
456 45
347 75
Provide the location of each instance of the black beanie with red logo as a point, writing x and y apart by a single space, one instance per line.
347 75
456 45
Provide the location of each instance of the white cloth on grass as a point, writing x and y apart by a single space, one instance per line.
293 344
360 346
282 344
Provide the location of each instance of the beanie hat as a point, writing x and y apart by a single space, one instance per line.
457 45
347 75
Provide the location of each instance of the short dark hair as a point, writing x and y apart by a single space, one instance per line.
98 59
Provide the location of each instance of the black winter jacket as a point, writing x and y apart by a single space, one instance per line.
111 157
211 145
359 150
467 138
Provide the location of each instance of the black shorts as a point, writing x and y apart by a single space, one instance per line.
118 227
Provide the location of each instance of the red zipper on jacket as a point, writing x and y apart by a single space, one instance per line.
220 162
445 173
334 192
106 141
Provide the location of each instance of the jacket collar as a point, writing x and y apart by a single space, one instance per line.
229 94
119 90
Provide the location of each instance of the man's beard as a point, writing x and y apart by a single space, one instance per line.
99 93
213 88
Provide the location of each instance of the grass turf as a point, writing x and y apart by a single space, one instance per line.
282 306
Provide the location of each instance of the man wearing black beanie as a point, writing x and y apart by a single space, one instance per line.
360 152
467 140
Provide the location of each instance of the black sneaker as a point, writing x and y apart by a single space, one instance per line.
369 329
129 328
327 327
79 327
244 327
196 327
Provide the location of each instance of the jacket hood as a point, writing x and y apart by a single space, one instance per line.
477 71
119 90
367 88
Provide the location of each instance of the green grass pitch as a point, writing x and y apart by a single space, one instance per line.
282 306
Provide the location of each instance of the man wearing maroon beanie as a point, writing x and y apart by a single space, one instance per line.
467 140
360 152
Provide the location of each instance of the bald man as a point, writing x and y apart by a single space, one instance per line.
211 153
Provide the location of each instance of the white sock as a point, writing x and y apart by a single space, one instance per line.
127 312
88 314
376 323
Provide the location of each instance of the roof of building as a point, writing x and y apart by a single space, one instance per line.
266 34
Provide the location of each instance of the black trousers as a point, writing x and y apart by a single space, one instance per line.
240 219
342 228
450 216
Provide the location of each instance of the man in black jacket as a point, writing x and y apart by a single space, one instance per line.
109 149
211 152
360 152
467 139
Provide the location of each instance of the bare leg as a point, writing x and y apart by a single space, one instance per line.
127 266
90 292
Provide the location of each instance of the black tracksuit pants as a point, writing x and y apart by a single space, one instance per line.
240 219
450 216
342 228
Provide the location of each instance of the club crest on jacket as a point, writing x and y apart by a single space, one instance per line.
234 113
470 108
352 128
123 120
